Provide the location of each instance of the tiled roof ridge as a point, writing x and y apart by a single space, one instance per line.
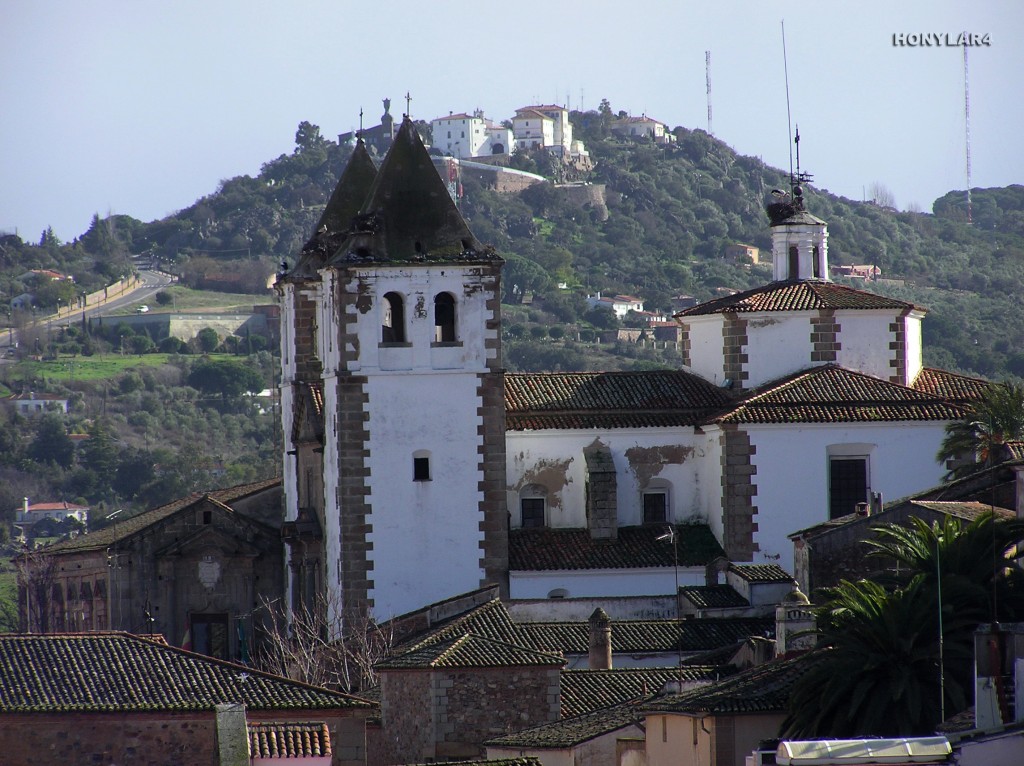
447 652
194 657
822 290
438 632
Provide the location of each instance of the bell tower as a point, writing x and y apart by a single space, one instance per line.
413 386
799 239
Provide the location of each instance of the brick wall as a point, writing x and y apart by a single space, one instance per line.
127 739
734 344
448 714
738 492
825 336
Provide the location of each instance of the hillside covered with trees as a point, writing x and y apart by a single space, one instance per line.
671 212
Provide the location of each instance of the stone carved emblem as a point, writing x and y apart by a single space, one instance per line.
209 572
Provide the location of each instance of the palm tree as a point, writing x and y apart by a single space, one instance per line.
879 675
883 671
994 419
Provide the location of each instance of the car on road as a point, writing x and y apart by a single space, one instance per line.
142 309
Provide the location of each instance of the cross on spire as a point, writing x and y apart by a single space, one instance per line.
360 133
408 100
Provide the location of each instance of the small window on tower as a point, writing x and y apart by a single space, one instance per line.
817 265
393 321
794 262
421 469
444 318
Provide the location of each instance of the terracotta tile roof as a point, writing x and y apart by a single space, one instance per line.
832 394
1014 450
796 295
489 620
713 596
574 731
119 672
470 651
584 691
651 636
125 529
949 385
966 510
817 529
546 549
762 689
761 572
663 398
61 506
289 740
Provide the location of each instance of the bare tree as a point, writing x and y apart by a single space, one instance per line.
881 195
36 577
298 645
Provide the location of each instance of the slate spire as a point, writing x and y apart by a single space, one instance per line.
336 221
409 215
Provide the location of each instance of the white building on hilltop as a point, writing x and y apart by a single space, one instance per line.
546 127
416 468
470 135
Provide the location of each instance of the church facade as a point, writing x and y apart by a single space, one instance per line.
417 469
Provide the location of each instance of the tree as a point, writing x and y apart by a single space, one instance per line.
993 420
51 443
881 675
207 339
880 672
309 646
100 453
227 378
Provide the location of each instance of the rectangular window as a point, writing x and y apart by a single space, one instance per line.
533 511
847 484
421 469
655 508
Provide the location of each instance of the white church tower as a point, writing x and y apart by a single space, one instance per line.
413 409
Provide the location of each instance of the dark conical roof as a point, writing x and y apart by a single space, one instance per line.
343 206
409 215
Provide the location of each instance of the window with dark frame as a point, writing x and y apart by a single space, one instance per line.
655 507
794 262
847 484
421 469
532 511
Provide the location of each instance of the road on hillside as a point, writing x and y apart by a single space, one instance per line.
149 283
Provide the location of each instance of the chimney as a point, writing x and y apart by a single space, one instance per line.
602 493
24 505
862 509
600 657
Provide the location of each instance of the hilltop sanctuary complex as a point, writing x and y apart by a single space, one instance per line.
416 468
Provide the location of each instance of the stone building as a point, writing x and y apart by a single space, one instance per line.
194 571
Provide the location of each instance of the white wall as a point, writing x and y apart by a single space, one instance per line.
554 459
649 581
778 343
915 347
706 357
412 521
864 337
792 472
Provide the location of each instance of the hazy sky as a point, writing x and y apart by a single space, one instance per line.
121 106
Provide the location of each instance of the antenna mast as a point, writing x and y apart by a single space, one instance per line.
967 126
707 77
789 115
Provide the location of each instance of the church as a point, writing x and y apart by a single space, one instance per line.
416 468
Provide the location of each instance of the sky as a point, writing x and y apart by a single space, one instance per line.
141 108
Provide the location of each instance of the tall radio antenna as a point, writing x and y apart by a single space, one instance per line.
789 116
967 126
707 77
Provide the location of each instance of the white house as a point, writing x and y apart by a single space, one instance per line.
32 403
643 127
546 126
620 305
470 135
33 512
407 445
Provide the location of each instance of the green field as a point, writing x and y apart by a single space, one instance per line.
66 368
186 299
